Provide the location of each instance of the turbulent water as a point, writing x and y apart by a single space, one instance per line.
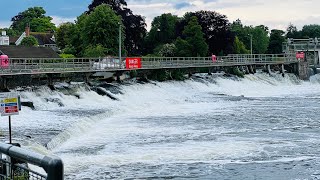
209 127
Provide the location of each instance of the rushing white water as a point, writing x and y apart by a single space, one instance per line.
197 128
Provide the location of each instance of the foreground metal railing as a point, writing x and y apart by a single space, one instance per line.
41 66
15 164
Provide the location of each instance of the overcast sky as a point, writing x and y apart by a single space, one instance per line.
276 14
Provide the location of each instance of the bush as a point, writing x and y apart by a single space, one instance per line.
29 41
64 56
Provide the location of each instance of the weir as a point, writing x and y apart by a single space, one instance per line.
58 69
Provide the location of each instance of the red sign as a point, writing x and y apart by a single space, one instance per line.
11 109
4 61
300 55
133 62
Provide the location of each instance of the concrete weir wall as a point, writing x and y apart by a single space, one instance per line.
303 70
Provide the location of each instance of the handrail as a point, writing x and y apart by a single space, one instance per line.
62 65
52 165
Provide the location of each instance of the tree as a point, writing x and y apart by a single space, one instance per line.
166 50
183 48
134 25
194 36
65 34
239 47
216 29
94 51
292 32
276 40
29 41
162 31
101 27
260 40
35 17
310 31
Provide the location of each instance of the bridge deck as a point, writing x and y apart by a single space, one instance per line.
45 66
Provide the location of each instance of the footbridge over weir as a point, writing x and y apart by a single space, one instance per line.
89 66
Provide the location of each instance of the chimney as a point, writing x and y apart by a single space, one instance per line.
27 30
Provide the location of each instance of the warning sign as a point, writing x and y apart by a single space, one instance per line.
133 62
10 103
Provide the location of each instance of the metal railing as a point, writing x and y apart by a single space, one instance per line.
15 162
41 66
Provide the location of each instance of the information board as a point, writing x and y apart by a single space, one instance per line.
10 103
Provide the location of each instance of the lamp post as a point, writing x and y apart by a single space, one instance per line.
250 43
119 41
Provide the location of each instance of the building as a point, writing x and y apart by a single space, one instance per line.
4 39
44 39
28 52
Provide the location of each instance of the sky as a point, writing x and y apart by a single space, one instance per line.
276 14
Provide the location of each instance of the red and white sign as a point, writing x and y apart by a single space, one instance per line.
300 55
133 62
9 104
4 61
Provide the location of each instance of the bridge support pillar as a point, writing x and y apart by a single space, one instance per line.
86 77
246 68
251 71
50 81
282 70
303 70
269 68
4 83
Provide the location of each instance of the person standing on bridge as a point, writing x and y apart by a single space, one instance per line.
214 58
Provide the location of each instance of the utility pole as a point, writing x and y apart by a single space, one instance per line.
250 43
119 43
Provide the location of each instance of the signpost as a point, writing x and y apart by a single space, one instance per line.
9 105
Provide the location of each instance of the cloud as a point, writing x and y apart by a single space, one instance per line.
273 13
57 20
182 5
5 24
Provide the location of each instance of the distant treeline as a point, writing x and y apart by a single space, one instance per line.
202 33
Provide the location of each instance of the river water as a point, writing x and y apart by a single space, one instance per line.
209 127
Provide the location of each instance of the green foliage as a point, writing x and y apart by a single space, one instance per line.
239 47
183 48
276 40
216 29
194 45
162 31
67 56
35 17
10 32
101 27
66 35
311 31
69 49
260 39
94 51
134 25
159 75
29 41
292 32
166 50
133 74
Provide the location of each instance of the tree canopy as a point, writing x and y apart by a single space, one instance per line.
134 25
33 17
276 40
